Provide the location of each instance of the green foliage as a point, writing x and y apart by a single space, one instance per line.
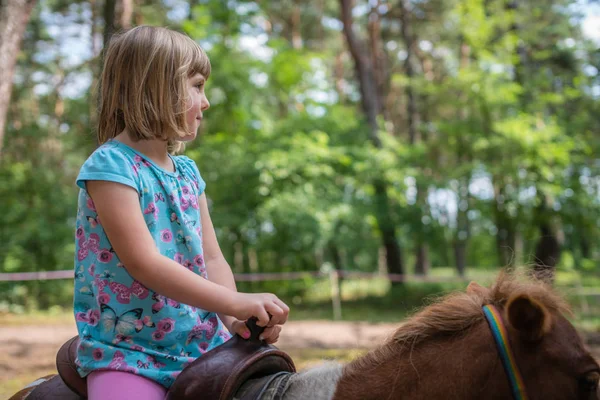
507 115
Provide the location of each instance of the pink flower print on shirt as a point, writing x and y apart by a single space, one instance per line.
98 354
166 235
105 255
203 346
152 209
166 325
179 258
199 260
103 298
185 190
189 265
92 269
194 202
185 204
124 293
82 254
90 204
80 233
158 335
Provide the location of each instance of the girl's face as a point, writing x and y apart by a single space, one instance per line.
198 103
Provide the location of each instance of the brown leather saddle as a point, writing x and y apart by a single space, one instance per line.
218 374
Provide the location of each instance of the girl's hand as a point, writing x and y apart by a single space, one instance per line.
247 305
270 334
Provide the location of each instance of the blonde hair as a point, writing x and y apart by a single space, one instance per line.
143 86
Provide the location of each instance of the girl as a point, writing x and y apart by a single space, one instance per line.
152 289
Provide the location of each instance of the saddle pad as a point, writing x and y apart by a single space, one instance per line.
271 387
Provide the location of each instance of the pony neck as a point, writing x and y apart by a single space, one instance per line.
465 366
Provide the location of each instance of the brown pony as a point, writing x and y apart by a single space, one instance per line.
447 351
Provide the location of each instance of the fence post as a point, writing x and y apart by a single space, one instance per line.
336 301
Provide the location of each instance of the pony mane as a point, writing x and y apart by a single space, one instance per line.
457 312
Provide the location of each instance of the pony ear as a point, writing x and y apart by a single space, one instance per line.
530 318
477 289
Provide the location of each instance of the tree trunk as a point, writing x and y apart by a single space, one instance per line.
379 61
505 225
463 227
14 16
109 21
296 26
421 256
372 108
548 248
126 16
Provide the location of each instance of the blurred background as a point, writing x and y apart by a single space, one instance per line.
360 156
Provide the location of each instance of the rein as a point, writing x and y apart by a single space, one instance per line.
500 335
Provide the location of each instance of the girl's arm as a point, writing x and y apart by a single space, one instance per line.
122 219
220 272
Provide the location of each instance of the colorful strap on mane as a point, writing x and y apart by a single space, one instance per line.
508 359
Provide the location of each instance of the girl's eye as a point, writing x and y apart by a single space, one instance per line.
199 85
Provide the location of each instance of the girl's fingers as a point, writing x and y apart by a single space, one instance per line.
241 329
263 316
284 308
277 314
271 334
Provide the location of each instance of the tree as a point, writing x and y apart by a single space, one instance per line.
14 15
372 107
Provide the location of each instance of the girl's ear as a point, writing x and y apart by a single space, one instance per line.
528 317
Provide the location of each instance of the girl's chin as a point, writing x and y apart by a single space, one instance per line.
189 137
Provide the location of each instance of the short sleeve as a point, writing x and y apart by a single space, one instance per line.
191 168
109 163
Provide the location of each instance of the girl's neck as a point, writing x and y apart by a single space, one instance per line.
154 149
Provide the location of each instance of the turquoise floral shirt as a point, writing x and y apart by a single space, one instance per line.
122 324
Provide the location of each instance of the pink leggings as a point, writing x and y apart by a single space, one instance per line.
118 385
